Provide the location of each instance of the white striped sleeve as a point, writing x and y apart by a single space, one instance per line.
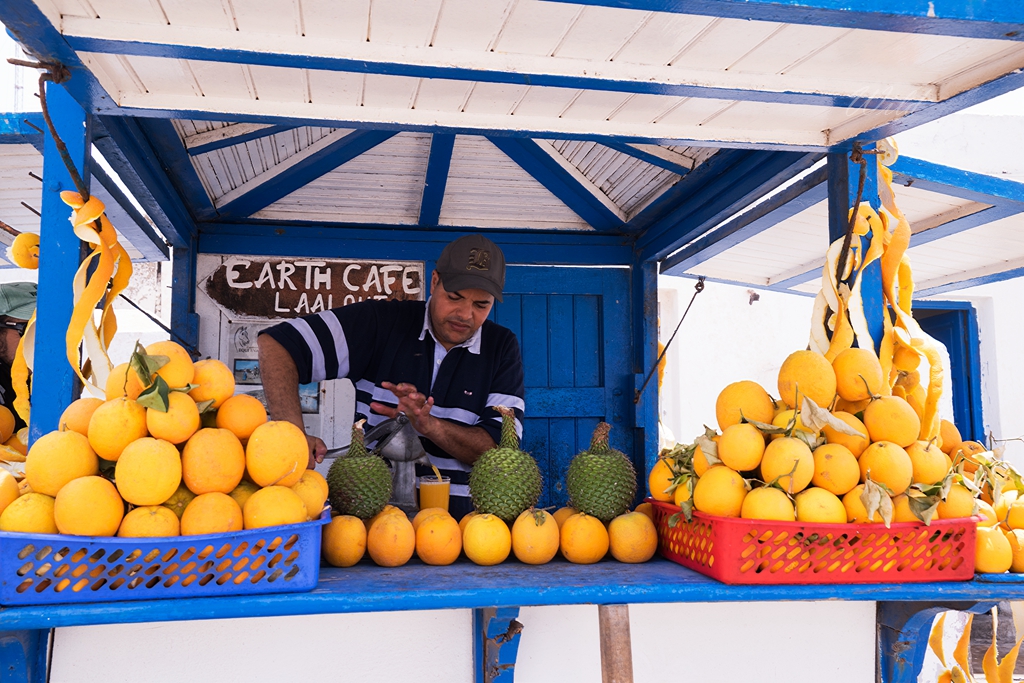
317 372
340 343
519 426
506 400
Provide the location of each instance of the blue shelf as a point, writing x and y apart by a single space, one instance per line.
367 588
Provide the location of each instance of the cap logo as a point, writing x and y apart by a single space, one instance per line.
479 259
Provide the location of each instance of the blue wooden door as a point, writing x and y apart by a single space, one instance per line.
573 325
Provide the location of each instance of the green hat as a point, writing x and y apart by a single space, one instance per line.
472 262
18 299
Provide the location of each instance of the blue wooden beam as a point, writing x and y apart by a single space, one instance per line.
24 656
54 382
572 189
126 148
977 187
322 161
436 180
496 633
799 196
386 241
184 319
231 141
411 69
971 282
171 155
644 310
720 187
131 224
991 19
837 167
660 161
22 128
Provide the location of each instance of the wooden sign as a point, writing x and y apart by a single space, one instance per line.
269 287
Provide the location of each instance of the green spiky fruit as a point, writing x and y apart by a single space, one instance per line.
359 483
601 481
505 481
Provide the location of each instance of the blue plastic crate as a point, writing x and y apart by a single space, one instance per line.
41 569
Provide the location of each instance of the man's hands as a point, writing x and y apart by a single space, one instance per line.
317 450
415 405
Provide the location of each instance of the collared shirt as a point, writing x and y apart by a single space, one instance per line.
373 342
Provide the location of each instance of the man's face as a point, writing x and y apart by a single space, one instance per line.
456 316
9 339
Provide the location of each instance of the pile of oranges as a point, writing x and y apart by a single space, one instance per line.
535 537
196 460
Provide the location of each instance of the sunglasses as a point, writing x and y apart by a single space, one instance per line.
18 327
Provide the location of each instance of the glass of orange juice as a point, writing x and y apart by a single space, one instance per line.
434 492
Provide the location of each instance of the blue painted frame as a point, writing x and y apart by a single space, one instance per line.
992 19
306 171
237 140
978 187
538 78
132 225
972 282
438 164
652 159
22 128
552 175
799 196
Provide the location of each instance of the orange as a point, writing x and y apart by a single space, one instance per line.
807 373
856 444
1002 510
949 437
123 382
114 425
180 370
743 399
438 540
818 506
890 418
212 460
391 540
906 359
211 513
31 513
992 552
24 251
241 493
767 502
343 541
75 417
562 514
57 458
241 414
149 521
858 374
88 506
424 513
9 490
487 540
277 454
720 492
584 539
632 538
887 464
317 477
965 453
740 447
700 461
660 479
179 422
851 407
647 509
179 500
535 537
19 441
1016 539
783 419
987 514
7 422
388 510
148 472
215 380
273 506
835 469
312 494
470 515
681 494
779 460
901 511
959 503
855 511
930 463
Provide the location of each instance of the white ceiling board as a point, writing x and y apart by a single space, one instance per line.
600 33
16 186
345 20
383 185
486 189
470 24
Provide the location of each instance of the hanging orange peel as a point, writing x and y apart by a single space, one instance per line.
839 317
111 274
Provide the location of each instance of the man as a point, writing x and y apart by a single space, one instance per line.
17 304
442 363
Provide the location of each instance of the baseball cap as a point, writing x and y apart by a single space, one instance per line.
472 262
18 299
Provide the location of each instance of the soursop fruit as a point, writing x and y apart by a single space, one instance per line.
359 482
601 481
505 481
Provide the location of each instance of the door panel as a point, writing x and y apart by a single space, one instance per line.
573 328
957 330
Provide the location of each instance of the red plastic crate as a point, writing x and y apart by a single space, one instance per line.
750 551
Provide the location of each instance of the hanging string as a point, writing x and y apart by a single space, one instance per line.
698 288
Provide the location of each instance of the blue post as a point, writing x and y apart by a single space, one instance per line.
184 320
496 644
24 655
645 353
54 384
